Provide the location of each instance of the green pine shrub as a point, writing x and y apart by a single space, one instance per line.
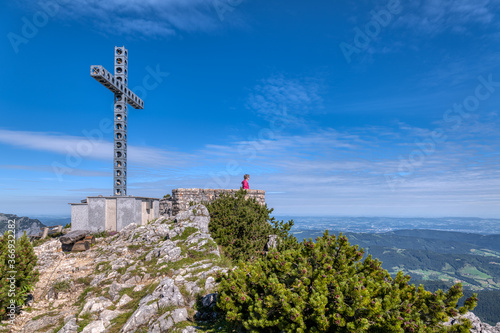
325 287
241 227
18 274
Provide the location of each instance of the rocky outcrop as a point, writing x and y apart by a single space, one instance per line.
154 278
31 226
145 278
477 325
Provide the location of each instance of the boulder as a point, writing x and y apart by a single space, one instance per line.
95 327
167 320
73 236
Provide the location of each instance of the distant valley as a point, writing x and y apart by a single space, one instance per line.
436 259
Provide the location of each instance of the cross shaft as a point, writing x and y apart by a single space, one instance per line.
117 83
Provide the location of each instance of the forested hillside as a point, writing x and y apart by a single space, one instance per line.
437 259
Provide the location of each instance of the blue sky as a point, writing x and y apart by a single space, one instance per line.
349 108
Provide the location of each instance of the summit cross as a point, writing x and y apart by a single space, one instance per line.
118 85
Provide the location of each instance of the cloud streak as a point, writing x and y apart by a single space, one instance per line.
148 18
89 149
327 172
289 100
437 16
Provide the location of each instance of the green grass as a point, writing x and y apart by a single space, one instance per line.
485 252
62 285
473 272
103 266
59 325
83 320
185 234
134 247
84 280
50 314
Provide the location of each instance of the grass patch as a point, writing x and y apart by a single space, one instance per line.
137 295
59 325
134 247
83 320
103 266
118 322
187 295
185 234
180 325
50 314
164 309
102 234
84 280
38 242
86 291
62 285
224 262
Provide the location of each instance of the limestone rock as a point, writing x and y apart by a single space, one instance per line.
124 300
272 242
45 321
107 315
209 300
98 279
70 326
196 216
210 283
95 327
165 295
167 320
114 290
140 317
167 251
477 325
96 304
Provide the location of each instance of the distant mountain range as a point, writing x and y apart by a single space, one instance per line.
31 226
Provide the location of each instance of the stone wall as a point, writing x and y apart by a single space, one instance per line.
182 197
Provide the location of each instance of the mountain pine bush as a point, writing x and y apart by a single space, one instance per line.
325 287
18 275
242 226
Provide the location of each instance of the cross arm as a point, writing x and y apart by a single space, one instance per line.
109 81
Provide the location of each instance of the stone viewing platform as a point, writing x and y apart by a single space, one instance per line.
113 213
182 198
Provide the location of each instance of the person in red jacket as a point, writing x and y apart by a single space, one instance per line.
244 183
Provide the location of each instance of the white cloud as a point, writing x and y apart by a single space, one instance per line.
436 16
284 99
328 172
86 148
147 17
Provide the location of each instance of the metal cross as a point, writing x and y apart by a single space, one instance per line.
118 85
